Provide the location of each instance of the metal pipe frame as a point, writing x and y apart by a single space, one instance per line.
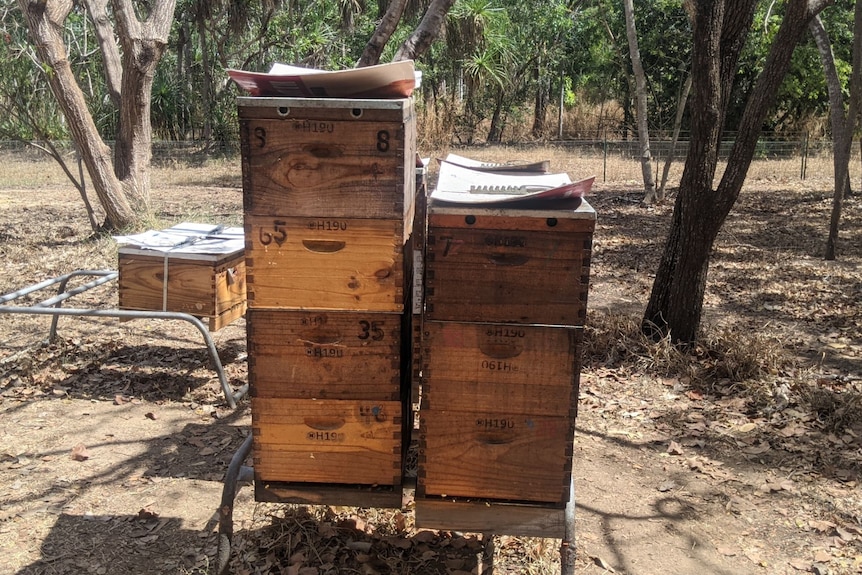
51 306
236 472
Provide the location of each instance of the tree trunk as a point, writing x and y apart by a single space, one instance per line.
677 124
421 38
98 10
719 31
495 131
388 24
45 22
143 44
207 79
540 104
843 125
641 103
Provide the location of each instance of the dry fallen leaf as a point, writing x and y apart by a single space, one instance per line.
821 556
146 513
363 546
424 536
821 525
844 534
747 427
757 449
151 415
674 448
602 563
80 453
400 521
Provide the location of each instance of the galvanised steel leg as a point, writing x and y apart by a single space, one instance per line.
236 472
567 546
105 276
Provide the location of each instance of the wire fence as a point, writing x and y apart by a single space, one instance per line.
794 146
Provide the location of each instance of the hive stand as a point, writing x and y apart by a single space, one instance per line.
52 307
469 515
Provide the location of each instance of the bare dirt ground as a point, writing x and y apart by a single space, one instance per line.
743 457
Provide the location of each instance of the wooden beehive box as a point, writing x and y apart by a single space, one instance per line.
508 368
341 158
348 442
325 263
495 455
508 265
326 355
209 286
498 410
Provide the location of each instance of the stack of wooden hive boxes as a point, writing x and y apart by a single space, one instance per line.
505 303
328 213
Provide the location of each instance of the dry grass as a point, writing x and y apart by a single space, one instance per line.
722 356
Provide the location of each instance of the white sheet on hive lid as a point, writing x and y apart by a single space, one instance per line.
188 238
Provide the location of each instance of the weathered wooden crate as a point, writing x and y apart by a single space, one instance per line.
498 408
325 263
327 354
508 265
348 442
209 286
337 158
508 368
495 455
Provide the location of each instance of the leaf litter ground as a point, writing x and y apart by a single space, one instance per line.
740 457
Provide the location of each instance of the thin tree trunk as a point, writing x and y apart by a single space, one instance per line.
385 29
677 124
421 38
540 104
98 10
206 86
641 102
843 125
143 45
495 131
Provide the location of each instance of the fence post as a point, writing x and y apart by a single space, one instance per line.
605 159
804 165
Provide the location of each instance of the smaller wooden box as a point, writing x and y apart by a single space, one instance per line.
339 158
327 441
325 263
326 355
209 286
509 368
490 454
508 265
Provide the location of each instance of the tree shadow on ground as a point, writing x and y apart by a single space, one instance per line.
95 368
132 544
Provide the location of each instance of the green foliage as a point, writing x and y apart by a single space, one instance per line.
27 109
496 60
